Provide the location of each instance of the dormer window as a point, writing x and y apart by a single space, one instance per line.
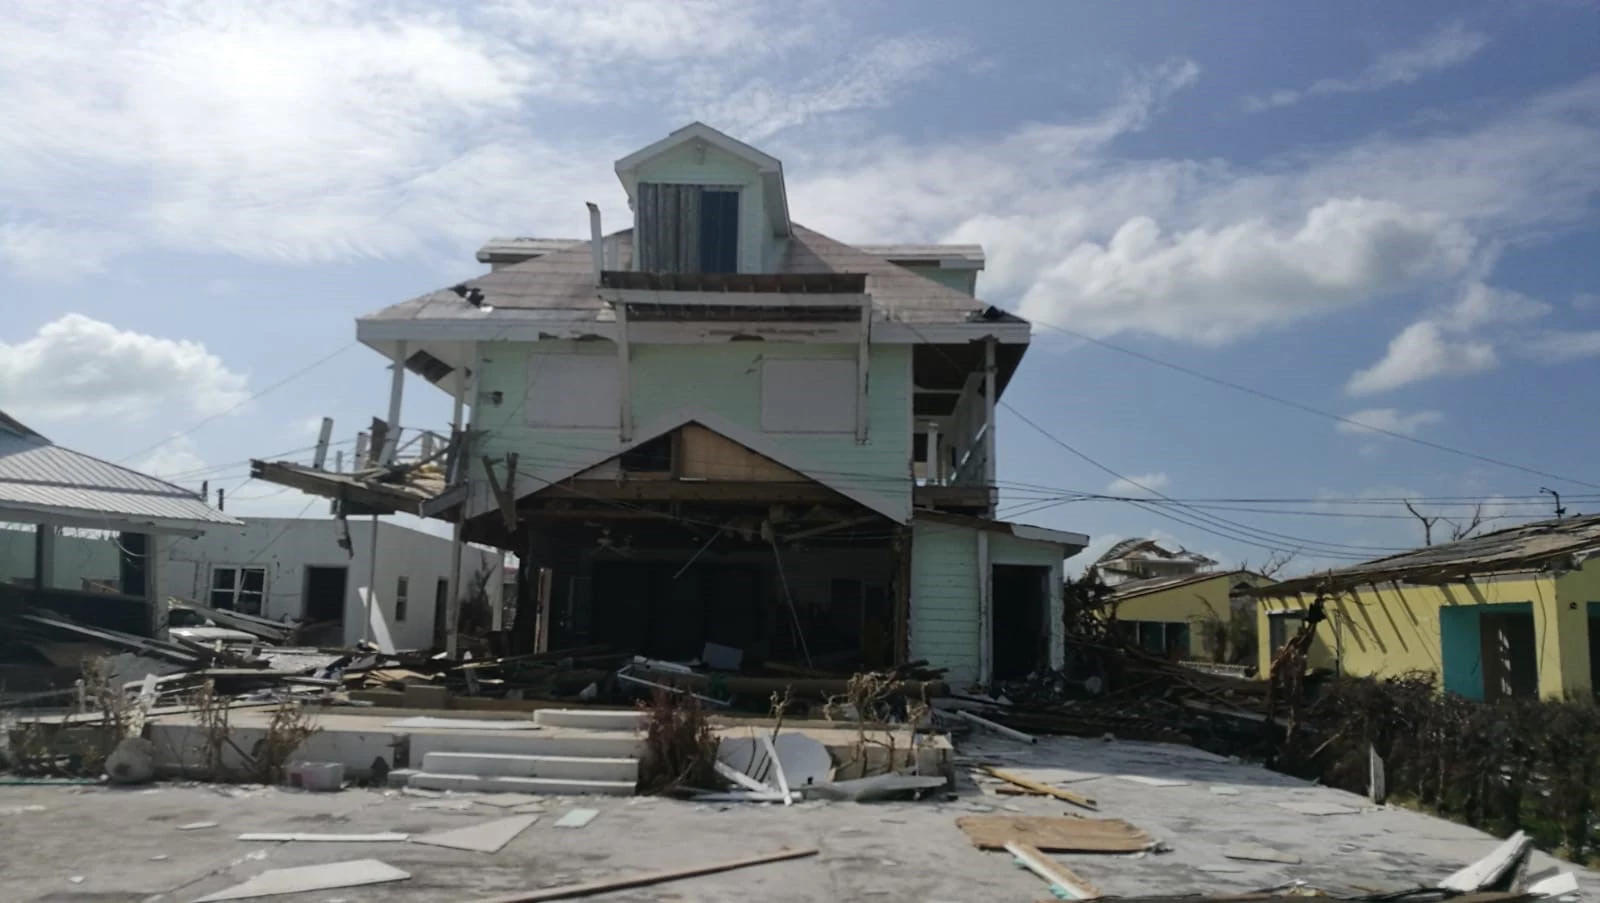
687 228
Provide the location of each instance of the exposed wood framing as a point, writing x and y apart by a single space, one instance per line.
452 604
505 496
324 435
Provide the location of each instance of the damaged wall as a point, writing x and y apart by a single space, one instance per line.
77 557
725 380
285 547
1393 628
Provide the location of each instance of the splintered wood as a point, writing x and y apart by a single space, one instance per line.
1055 835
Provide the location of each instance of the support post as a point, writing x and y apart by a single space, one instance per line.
451 606
541 631
988 420
44 556
372 583
863 359
985 612
152 586
397 385
624 373
931 474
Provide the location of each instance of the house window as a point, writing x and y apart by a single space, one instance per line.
804 395
653 456
1169 639
1281 626
687 228
573 391
240 589
402 593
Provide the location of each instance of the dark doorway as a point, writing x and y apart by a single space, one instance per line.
324 602
441 608
1019 596
1510 658
660 610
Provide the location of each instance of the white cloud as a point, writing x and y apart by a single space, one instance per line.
1215 285
1142 484
308 132
1559 347
176 459
1420 352
77 366
1390 420
1445 48
1484 305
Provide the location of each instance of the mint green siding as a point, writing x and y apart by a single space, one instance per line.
687 165
944 626
724 380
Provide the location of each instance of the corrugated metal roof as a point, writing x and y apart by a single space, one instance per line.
38 475
563 281
1515 548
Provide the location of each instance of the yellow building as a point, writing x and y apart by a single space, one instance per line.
1167 615
1515 612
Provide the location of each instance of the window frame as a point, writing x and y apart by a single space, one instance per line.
236 590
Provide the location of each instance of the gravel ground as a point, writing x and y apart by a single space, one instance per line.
106 845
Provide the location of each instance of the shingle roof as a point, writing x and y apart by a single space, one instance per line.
38 476
563 281
1515 548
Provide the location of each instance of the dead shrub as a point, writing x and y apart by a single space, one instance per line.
680 751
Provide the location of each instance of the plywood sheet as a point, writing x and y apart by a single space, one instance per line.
488 837
1055 835
354 873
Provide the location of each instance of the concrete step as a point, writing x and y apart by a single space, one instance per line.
546 742
477 783
586 768
591 719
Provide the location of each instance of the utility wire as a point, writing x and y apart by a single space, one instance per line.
1308 409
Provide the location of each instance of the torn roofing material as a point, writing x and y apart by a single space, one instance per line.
42 481
1132 588
1559 543
563 280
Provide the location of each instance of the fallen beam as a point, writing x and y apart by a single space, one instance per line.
1058 876
1066 796
1000 729
591 888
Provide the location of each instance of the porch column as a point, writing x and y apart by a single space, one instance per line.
931 470
397 386
1564 616
863 360
624 374
152 584
988 420
461 460
985 611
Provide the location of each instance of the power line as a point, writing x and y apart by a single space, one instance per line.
1308 409
242 402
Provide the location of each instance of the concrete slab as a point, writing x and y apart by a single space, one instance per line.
488 837
476 783
592 719
589 768
276 882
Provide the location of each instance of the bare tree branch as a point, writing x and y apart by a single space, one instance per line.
1459 530
1427 523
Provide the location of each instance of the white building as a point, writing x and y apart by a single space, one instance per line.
296 568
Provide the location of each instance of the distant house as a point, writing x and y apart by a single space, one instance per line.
311 570
1169 615
51 497
1511 613
1148 559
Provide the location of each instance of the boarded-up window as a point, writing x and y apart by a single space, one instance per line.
573 391
808 396
687 228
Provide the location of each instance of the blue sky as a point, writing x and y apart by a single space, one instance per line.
1382 211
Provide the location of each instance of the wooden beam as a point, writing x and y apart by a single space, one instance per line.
1066 796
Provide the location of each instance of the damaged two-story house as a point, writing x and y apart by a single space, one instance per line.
719 426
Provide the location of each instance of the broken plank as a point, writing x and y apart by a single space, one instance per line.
1065 796
1059 877
606 885
1000 729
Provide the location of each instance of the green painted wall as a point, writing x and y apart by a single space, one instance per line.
724 379
944 626
686 165
951 279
